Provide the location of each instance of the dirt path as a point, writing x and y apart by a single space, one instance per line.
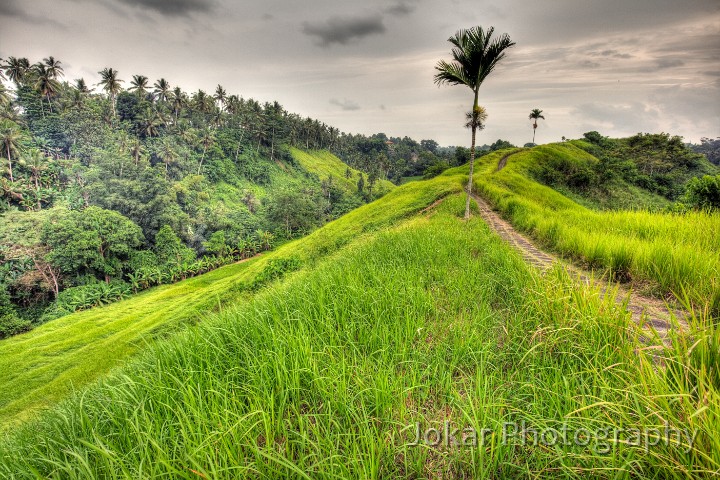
647 311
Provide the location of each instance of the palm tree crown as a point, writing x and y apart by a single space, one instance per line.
110 83
535 114
475 54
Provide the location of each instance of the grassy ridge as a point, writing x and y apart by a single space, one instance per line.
325 375
42 366
326 165
673 253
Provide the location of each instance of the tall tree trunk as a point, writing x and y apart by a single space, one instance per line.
534 128
472 162
12 179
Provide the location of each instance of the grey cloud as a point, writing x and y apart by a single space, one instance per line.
669 63
10 8
174 8
343 30
400 9
345 104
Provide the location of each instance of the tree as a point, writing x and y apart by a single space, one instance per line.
167 154
475 54
162 90
139 85
704 193
94 241
17 69
111 84
10 142
170 250
535 115
45 81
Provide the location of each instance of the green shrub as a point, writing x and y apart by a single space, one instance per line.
11 325
704 193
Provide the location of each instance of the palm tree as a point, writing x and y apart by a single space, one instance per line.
81 86
5 98
167 154
179 101
10 143
17 69
37 163
139 85
162 90
45 82
53 67
111 84
475 54
220 96
535 114
207 139
150 122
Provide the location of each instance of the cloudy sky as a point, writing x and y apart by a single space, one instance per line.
616 66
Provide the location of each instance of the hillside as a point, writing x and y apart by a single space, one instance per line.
399 316
326 165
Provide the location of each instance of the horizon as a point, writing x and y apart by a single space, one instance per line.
369 69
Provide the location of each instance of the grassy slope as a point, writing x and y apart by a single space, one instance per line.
40 367
324 164
325 374
617 195
670 252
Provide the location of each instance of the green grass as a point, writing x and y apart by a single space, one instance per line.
670 253
324 374
43 366
325 165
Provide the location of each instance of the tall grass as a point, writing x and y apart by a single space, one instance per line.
325 375
43 366
673 253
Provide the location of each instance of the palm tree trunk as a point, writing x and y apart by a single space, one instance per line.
9 162
472 162
534 127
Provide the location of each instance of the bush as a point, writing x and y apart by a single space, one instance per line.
11 325
91 295
704 193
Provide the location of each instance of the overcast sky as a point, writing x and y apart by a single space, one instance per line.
616 66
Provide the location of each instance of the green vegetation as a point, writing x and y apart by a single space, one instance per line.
42 366
331 170
663 250
475 54
647 171
327 374
215 171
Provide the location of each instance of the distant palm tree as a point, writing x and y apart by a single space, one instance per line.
17 69
535 114
150 122
45 82
81 86
5 98
220 96
111 84
475 54
162 90
179 101
53 67
139 85
207 139
10 143
167 154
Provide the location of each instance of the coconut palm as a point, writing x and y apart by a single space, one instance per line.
535 114
207 140
36 162
139 85
167 154
53 67
162 90
81 86
475 54
220 96
45 82
10 143
5 98
179 101
17 69
111 84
